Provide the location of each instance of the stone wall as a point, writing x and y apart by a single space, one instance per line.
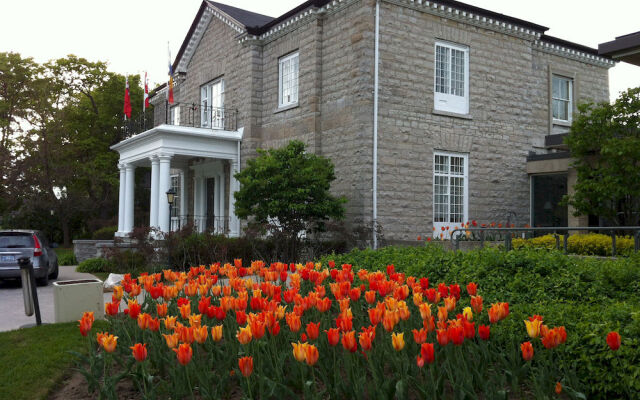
509 116
85 249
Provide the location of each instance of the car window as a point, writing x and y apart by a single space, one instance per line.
13 240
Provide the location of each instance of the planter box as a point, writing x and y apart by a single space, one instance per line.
72 298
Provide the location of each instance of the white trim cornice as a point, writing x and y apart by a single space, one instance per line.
577 55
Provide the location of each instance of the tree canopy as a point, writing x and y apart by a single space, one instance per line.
288 190
605 142
57 121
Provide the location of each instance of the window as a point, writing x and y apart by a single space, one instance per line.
175 207
288 80
451 80
561 98
450 194
174 115
212 105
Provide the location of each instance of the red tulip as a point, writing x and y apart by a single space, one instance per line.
333 335
139 351
527 351
184 352
484 331
472 289
427 352
613 340
246 366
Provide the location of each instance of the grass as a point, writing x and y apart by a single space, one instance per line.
65 255
35 359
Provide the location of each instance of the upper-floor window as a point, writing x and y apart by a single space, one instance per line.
451 80
288 80
212 104
174 115
561 98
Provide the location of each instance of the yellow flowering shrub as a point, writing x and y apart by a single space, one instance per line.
595 244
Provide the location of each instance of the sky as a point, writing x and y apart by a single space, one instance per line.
133 35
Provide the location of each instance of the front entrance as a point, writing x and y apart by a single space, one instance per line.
210 224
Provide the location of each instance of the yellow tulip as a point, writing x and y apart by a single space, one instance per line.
397 340
533 327
467 313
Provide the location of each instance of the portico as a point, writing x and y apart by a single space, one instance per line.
200 163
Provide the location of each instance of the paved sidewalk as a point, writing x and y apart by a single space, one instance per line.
12 314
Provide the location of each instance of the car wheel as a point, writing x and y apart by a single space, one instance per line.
44 281
54 274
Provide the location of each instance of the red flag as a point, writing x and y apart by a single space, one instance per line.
146 93
170 92
127 100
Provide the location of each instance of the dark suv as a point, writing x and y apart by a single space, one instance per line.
27 243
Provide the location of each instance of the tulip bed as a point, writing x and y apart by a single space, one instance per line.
315 331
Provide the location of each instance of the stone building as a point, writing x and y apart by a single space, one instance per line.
433 113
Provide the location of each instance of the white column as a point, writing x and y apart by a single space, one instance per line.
163 187
130 179
196 213
216 205
183 198
121 200
220 201
234 222
155 180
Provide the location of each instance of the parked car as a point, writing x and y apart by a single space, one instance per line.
18 243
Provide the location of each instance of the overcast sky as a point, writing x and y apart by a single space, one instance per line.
132 35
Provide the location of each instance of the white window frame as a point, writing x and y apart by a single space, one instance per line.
284 65
449 176
174 211
443 98
569 100
212 101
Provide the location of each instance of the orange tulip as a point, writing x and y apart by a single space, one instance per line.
85 324
153 324
246 366
195 320
170 322
370 296
244 334
476 304
299 351
185 310
109 343
216 333
558 388
527 351
313 330
257 328
184 353
112 308
388 321
442 313
143 320
200 334
161 308
375 315
419 336
293 321
450 303
397 340
311 354
365 339
425 310
118 292
443 338
139 351
349 341
172 340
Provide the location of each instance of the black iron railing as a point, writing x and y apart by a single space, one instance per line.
183 114
507 234
200 116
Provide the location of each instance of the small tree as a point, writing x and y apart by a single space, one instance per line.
287 190
605 142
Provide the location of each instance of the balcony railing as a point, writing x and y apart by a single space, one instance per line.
205 223
184 114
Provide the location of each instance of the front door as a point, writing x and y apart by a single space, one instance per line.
210 196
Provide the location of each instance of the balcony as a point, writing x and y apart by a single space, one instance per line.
186 115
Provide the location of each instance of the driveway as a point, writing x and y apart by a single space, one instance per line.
12 314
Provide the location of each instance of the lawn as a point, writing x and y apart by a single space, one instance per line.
65 256
35 359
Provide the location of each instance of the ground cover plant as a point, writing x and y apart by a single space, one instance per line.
589 296
328 332
35 359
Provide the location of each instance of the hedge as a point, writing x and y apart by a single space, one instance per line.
589 296
592 244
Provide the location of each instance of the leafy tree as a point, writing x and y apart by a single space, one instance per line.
605 142
287 190
60 160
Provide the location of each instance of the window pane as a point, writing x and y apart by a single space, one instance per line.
288 80
441 198
442 69
457 199
442 164
457 72
449 189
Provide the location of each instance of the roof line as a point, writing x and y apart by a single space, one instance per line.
575 46
192 29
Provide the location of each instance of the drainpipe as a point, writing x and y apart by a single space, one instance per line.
375 128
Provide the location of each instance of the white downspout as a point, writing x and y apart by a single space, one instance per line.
375 128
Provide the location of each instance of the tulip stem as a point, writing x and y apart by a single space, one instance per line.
186 371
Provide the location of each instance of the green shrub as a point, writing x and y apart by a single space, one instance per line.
66 256
589 296
92 265
105 233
